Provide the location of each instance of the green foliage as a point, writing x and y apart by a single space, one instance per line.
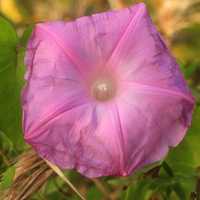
94 193
186 155
8 36
166 185
185 159
140 191
187 43
7 179
5 143
10 114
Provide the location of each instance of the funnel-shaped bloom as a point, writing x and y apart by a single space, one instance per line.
103 94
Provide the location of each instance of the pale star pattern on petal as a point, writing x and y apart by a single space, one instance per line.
103 95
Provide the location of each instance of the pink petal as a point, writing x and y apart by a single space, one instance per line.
152 120
44 58
84 138
45 99
141 56
88 41
54 84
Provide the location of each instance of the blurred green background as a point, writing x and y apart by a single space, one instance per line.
178 177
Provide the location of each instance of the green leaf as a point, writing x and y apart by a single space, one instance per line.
94 193
5 143
140 191
184 159
8 34
53 196
7 179
186 155
10 115
189 69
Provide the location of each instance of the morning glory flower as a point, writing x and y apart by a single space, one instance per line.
104 96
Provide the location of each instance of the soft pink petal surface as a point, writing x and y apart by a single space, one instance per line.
150 112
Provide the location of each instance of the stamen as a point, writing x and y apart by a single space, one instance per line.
103 90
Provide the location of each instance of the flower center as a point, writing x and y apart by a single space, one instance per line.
103 90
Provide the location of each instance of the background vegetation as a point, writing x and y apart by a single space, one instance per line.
178 177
